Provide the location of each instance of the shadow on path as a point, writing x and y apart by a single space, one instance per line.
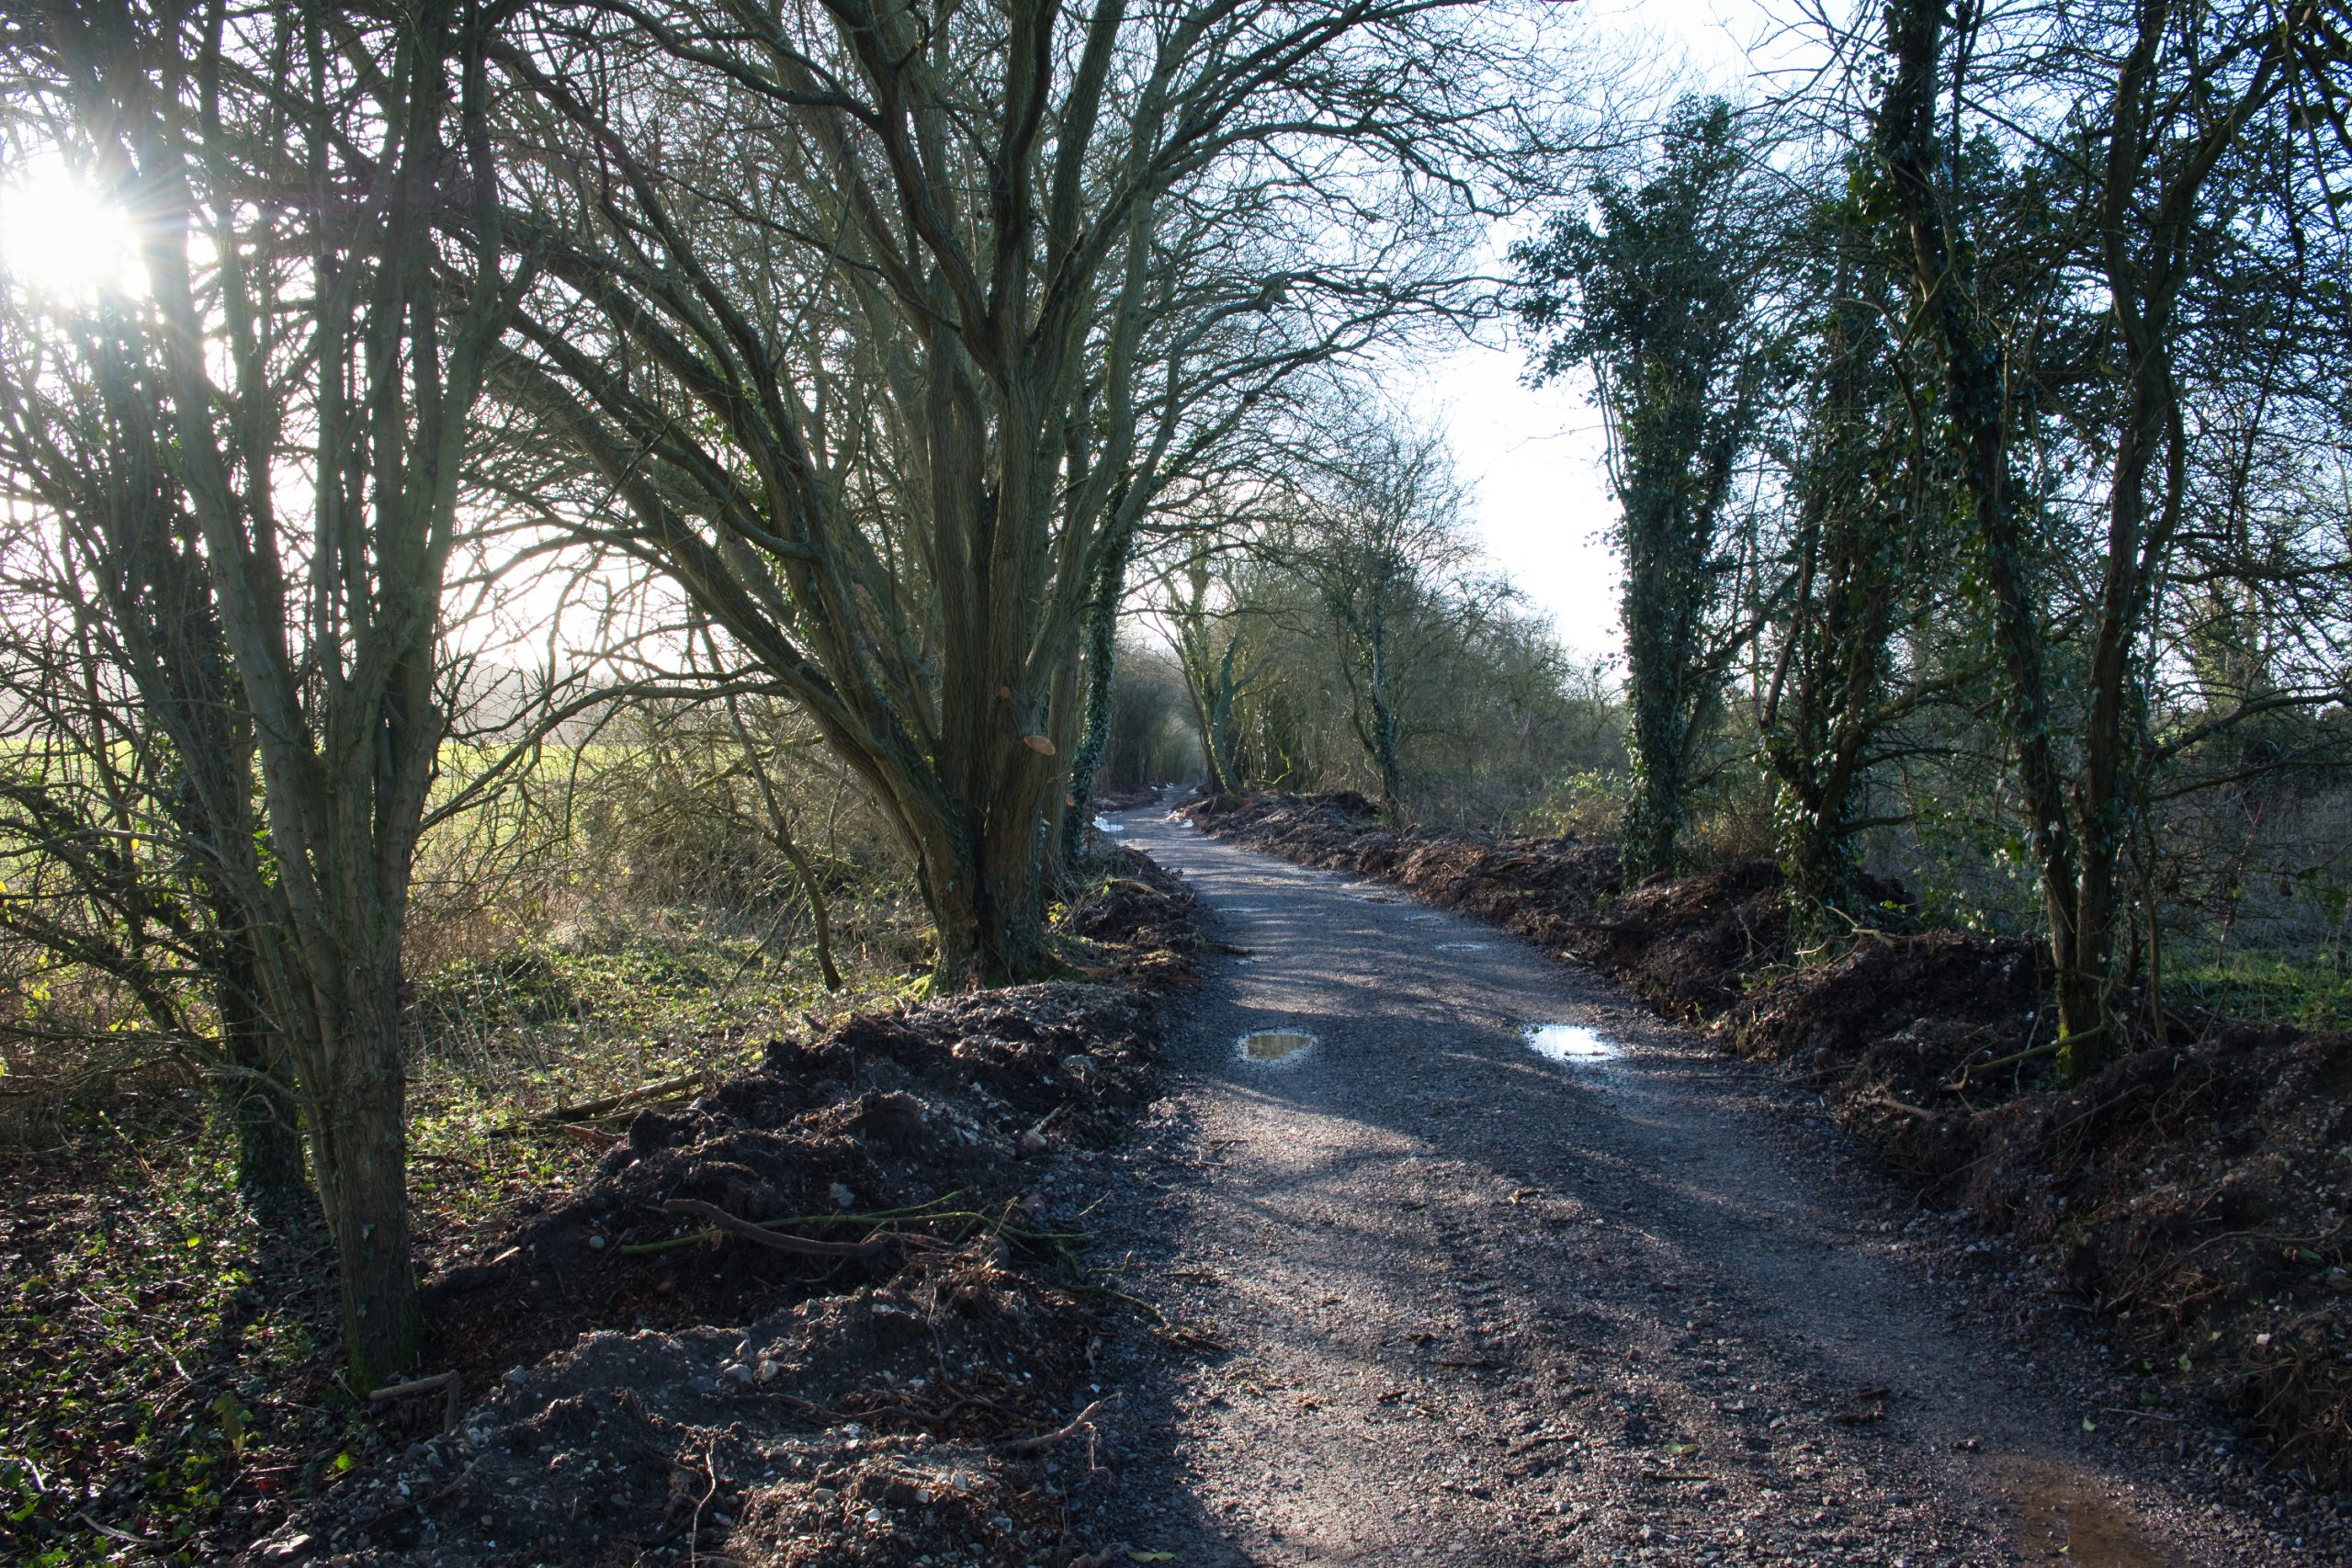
1479 1304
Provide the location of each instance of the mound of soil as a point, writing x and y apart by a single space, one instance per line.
2195 1192
2197 1195
1688 944
1901 1016
1147 916
825 1312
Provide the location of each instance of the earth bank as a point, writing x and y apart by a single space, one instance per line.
876 1211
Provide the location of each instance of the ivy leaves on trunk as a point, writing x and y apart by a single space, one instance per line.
1657 294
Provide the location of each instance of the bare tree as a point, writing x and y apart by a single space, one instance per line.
1206 638
887 385
1375 529
311 352
129 816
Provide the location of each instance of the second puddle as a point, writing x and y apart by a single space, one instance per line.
1570 1043
2062 1517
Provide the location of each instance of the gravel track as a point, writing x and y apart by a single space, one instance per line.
1473 1305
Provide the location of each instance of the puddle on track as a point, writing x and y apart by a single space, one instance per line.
1570 1043
2062 1517
1464 946
1274 1044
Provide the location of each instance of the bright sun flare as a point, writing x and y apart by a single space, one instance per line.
61 237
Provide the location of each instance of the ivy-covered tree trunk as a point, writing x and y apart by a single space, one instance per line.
1857 489
1666 596
1657 299
1977 391
1102 652
2182 102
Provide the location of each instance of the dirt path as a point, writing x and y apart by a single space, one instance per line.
1477 1305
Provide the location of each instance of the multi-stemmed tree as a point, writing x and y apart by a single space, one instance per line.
2194 147
286 409
886 330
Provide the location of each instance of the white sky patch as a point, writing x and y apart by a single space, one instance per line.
1533 457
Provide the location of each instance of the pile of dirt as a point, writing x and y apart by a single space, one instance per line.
1147 918
825 1312
1690 944
1903 1016
2195 1192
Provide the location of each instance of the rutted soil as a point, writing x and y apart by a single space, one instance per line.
2193 1194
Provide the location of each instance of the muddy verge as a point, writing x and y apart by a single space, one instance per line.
831 1311
2194 1193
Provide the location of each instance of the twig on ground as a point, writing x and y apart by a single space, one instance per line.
693 1526
803 1246
113 1534
445 1382
1082 1421
929 1214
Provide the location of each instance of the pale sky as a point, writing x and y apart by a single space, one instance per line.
1532 458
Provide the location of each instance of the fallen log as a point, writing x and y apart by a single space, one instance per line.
597 1110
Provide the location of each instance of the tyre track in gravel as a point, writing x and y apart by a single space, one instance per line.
1479 1306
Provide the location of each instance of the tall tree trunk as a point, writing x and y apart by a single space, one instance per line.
1102 633
1857 524
1384 718
260 1113
359 1140
985 870
1976 378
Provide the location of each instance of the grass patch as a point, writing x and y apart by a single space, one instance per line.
2266 987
